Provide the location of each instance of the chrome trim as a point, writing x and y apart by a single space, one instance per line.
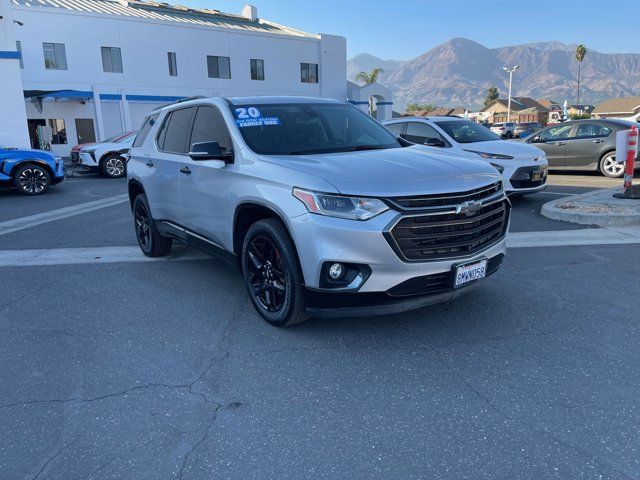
497 195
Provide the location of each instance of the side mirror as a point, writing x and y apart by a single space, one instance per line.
434 142
209 151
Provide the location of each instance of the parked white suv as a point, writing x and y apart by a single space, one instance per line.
505 130
524 170
326 212
108 157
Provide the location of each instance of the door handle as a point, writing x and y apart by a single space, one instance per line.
561 144
598 141
149 163
185 170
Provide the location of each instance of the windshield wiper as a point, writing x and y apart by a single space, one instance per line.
359 148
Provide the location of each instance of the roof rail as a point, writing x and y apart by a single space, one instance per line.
184 99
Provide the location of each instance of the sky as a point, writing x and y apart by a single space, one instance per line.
404 29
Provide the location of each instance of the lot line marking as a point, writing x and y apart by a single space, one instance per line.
558 193
21 223
89 255
131 254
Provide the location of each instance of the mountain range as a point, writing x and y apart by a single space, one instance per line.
459 72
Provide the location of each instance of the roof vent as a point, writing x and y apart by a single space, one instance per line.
250 12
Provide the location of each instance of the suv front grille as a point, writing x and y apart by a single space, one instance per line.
434 236
445 199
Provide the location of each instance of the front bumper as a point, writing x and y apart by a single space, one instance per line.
393 284
517 175
88 160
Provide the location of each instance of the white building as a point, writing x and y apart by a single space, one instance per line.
92 68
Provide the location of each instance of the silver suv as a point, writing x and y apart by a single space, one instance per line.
325 212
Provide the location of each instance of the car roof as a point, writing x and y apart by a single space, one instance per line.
426 119
270 100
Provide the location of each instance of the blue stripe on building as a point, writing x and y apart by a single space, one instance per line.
10 54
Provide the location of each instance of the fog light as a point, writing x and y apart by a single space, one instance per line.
336 271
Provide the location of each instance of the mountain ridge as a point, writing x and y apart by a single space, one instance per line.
459 71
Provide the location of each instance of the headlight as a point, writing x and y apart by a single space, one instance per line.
354 208
496 156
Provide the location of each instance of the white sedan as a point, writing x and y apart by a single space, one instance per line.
523 167
108 157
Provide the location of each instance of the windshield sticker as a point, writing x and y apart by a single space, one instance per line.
252 117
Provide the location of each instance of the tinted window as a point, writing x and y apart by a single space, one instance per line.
257 69
218 67
209 126
556 133
176 130
307 128
173 64
586 130
144 131
420 132
466 131
55 56
395 127
309 72
111 59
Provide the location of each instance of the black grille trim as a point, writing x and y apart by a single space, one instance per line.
443 235
446 199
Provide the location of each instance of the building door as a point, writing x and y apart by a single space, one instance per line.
85 130
32 125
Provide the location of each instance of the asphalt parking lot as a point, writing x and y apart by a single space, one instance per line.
135 369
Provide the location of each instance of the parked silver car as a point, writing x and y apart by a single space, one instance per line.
324 210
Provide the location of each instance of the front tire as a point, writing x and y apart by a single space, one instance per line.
609 167
113 166
272 274
151 242
32 179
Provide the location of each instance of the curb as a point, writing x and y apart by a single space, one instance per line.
607 217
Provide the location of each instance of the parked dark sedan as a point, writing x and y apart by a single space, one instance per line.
583 145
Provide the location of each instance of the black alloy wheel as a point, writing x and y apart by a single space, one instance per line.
32 180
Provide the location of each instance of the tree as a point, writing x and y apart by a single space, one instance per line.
370 77
581 52
414 107
492 96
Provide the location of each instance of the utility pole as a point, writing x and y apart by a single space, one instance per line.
510 72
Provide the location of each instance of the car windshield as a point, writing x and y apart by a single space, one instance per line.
466 131
306 128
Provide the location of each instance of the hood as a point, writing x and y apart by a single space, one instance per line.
505 147
392 172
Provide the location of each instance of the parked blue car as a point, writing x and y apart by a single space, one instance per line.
31 172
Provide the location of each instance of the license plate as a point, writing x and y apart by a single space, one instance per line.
537 175
470 272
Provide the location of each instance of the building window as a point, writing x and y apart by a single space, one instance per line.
309 72
218 67
257 69
19 49
55 56
58 131
173 64
111 59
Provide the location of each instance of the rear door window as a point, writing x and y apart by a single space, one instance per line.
144 131
173 137
591 130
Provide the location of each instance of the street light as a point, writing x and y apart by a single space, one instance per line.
510 72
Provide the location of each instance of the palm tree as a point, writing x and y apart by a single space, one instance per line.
369 78
581 52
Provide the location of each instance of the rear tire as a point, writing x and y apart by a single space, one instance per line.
609 167
32 179
113 166
272 273
151 242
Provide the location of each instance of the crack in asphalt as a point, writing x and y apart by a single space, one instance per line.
205 435
55 455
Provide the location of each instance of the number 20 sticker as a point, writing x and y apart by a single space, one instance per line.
251 112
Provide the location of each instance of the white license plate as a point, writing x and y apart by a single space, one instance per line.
470 272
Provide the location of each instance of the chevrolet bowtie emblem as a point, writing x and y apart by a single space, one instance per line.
469 208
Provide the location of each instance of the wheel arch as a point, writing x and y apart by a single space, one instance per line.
135 188
33 161
248 213
108 153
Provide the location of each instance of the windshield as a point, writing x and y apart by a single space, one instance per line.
466 131
299 129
